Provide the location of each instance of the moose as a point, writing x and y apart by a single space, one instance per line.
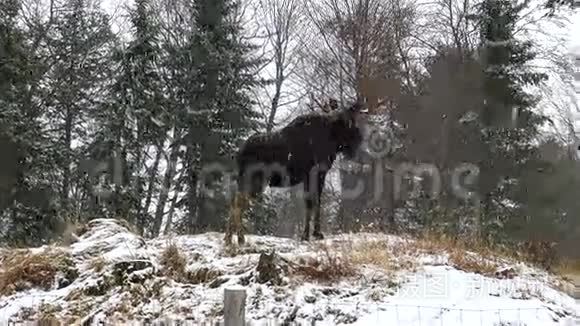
302 152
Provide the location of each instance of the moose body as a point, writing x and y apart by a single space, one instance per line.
300 153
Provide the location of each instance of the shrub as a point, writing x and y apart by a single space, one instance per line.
173 261
330 265
24 269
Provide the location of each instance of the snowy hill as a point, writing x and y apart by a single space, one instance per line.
111 275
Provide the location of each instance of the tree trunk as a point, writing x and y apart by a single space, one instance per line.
138 190
165 187
191 191
172 207
276 98
67 160
151 186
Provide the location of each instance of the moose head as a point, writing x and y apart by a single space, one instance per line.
347 129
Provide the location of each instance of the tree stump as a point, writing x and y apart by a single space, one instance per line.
270 268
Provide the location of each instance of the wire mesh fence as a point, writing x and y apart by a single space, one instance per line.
416 315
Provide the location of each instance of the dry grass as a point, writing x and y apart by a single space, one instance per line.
569 268
48 320
174 266
376 253
473 263
47 315
435 243
98 264
343 260
173 262
397 255
467 255
24 270
541 253
233 250
481 257
330 265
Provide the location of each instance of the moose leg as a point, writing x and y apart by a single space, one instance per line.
231 220
309 206
235 220
319 188
244 203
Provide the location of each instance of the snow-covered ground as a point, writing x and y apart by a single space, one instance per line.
428 292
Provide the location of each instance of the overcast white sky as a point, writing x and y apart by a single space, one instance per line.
112 5
575 32
547 35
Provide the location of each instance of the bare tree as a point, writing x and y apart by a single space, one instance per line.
353 49
359 49
282 21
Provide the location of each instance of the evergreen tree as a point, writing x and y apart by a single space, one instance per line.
219 108
549 197
151 119
510 148
450 95
26 178
555 5
79 47
76 78
135 118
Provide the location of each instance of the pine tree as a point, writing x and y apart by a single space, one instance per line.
220 112
13 62
509 142
26 177
550 197
135 118
555 5
79 48
147 105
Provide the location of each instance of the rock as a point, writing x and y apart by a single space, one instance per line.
330 291
202 275
66 277
317 317
345 318
506 273
309 299
245 280
122 270
349 293
216 283
340 316
141 276
101 286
